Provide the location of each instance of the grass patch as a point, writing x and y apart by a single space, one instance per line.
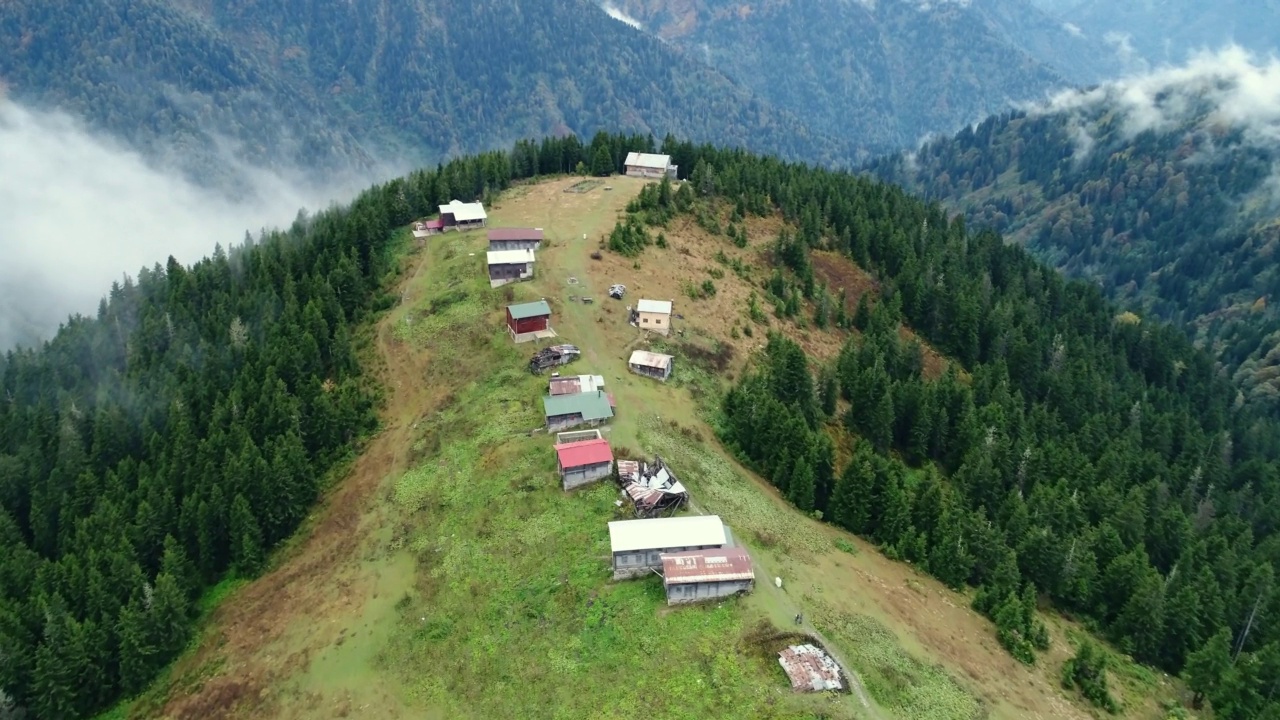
899 682
719 488
514 607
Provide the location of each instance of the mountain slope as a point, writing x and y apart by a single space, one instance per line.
884 73
1162 189
334 85
1168 30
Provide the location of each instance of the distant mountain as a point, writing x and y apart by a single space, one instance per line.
342 84
885 73
1164 190
1166 31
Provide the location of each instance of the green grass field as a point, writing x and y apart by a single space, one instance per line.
473 587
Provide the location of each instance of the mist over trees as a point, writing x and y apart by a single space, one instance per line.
171 441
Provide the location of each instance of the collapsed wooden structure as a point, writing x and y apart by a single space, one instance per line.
652 489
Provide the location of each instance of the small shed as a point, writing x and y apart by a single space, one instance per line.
566 411
651 364
427 228
654 315
462 216
649 165
515 238
811 669
508 266
583 462
528 321
575 384
706 574
638 545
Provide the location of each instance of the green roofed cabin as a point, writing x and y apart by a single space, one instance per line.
529 321
568 411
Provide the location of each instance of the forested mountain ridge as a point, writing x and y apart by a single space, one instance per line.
884 73
1169 205
1098 464
1167 31
337 85
1093 462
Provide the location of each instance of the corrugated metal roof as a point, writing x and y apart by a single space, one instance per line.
662 307
522 311
584 452
628 470
810 668
690 531
576 384
511 257
697 566
516 234
648 160
464 212
592 405
645 358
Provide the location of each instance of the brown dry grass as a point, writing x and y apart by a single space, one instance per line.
273 628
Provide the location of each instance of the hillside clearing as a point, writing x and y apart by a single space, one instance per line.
448 576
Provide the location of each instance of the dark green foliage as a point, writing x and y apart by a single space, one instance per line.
181 434
1170 222
601 162
1088 672
327 85
1098 466
889 92
629 238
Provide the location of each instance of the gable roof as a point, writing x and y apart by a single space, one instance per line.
697 566
691 530
464 212
515 234
591 405
650 359
523 311
662 307
511 257
648 160
584 452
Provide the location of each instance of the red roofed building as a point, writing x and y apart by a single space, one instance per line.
583 462
706 574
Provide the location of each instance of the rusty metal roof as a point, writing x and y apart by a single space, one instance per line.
810 668
698 566
628 470
576 384
534 234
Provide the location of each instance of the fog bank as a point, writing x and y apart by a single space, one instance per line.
80 210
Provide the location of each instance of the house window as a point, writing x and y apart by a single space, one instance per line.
645 321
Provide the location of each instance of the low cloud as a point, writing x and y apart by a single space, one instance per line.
616 13
1239 88
1073 29
81 210
1129 57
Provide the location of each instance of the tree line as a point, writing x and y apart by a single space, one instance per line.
1102 467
